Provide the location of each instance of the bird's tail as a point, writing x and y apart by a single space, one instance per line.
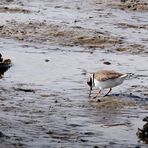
124 75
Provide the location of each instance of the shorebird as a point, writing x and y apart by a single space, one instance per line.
105 79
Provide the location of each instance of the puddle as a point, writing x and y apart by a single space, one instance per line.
44 96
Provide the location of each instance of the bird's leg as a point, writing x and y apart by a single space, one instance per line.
108 91
99 91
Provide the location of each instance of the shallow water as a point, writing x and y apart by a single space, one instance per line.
58 98
44 95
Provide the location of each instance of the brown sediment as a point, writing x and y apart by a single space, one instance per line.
44 32
95 41
134 6
112 103
121 49
9 9
64 35
135 26
137 48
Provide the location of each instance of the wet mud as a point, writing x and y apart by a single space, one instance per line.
53 46
134 6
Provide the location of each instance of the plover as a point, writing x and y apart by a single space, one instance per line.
105 79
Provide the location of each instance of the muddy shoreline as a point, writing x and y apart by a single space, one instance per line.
53 46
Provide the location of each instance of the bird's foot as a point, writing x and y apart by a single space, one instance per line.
93 99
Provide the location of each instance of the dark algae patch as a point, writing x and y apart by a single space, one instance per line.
143 133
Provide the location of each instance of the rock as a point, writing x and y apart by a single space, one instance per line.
143 133
106 63
4 65
46 60
1 134
95 146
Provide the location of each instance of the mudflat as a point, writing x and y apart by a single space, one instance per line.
54 45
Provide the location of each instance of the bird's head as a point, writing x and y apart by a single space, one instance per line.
90 82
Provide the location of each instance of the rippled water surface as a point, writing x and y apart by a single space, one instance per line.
44 96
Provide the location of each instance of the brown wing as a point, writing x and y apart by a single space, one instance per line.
106 74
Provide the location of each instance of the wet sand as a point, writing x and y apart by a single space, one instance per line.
54 46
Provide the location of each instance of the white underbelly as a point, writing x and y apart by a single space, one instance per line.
108 83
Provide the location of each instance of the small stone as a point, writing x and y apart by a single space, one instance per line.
46 60
91 52
98 100
1 134
56 101
107 63
49 132
83 140
84 72
95 146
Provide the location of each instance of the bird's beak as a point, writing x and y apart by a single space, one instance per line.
90 91
89 82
